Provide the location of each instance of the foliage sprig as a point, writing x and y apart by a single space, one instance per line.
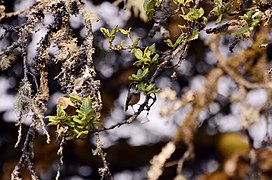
75 117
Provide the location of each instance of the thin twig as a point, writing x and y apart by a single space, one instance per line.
105 171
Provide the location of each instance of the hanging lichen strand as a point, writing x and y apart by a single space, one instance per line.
77 78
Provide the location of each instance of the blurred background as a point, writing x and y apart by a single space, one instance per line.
130 148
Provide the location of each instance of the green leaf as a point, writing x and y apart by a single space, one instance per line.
150 87
133 77
219 19
147 89
169 43
141 74
82 133
150 14
138 53
152 48
205 20
178 41
179 1
147 52
182 26
75 98
137 63
135 44
248 17
51 118
152 92
218 2
155 59
193 14
111 36
149 4
227 7
60 112
149 7
69 123
147 61
183 2
86 107
241 31
220 9
96 123
53 122
69 138
141 86
145 72
255 22
77 120
125 32
155 91
114 30
105 32
119 47
194 35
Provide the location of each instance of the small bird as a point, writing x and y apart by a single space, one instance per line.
133 96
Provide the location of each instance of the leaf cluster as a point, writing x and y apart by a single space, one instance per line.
77 118
144 58
220 8
251 21
147 57
148 89
150 7
193 14
183 2
110 35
